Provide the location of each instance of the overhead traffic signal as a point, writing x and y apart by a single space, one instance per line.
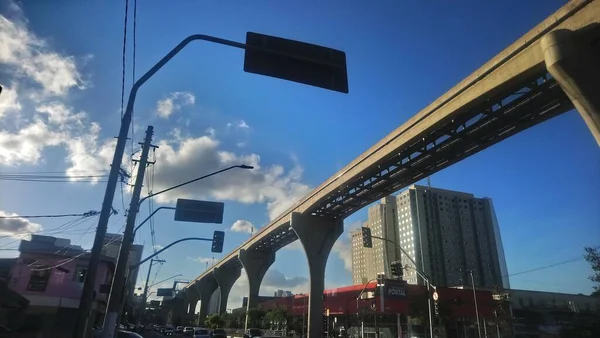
397 269
217 242
366 237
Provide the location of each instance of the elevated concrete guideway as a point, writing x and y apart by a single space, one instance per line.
522 86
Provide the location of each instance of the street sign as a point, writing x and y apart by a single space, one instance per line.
296 61
199 211
167 292
435 295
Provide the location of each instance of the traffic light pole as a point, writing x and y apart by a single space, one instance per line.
420 273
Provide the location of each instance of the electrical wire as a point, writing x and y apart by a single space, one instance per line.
545 267
68 260
85 214
124 54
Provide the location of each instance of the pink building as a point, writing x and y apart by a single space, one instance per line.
50 272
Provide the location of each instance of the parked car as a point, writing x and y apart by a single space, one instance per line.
218 333
179 329
251 333
201 333
188 331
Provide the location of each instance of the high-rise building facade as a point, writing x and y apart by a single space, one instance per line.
368 262
446 233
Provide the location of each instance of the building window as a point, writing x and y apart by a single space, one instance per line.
39 279
80 274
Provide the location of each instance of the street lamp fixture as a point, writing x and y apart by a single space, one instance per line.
267 55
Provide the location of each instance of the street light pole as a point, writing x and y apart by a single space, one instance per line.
475 300
362 325
312 74
116 294
142 306
422 275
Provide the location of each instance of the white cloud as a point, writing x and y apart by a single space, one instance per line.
173 103
26 145
30 57
9 101
61 115
242 226
85 155
17 227
182 160
241 125
202 260
211 132
158 247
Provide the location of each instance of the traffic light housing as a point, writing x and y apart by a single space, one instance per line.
397 269
217 242
366 237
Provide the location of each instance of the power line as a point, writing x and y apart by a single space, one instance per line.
546 266
85 214
68 260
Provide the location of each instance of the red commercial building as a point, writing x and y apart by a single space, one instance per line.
455 308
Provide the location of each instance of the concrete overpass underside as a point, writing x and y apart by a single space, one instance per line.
550 70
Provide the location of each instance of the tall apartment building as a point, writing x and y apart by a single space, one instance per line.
110 248
447 233
368 262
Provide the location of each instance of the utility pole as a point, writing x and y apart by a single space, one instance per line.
118 283
145 294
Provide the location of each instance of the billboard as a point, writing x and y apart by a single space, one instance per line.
394 288
168 292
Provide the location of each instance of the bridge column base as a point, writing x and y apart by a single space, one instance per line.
576 68
191 310
256 265
205 288
226 277
317 235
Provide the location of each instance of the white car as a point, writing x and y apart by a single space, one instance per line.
201 333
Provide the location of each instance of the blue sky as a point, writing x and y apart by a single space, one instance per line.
61 69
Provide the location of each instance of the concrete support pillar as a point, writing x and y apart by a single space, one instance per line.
226 277
178 311
576 67
191 310
205 288
317 235
256 265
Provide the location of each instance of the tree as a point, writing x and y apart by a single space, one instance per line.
214 321
277 318
592 256
255 317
